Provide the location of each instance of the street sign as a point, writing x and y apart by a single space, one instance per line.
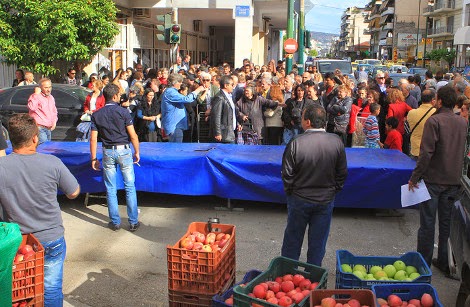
290 45
242 11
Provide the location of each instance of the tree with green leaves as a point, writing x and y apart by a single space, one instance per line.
313 52
36 33
442 54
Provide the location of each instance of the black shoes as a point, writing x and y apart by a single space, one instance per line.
134 227
113 226
444 269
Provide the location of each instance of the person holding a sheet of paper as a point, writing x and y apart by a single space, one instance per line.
439 165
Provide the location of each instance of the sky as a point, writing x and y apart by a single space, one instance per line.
325 16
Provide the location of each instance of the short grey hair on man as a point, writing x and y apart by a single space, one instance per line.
289 78
460 86
205 75
175 78
268 80
404 84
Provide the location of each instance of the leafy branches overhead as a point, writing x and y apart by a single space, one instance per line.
35 33
442 54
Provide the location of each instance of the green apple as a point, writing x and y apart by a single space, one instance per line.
360 267
384 278
414 275
399 265
380 274
346 268
400 275
410 269
369 277
390 270
374 269
359 274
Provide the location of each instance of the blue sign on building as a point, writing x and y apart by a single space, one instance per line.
242 11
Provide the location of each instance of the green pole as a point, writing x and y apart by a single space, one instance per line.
301 37
290 30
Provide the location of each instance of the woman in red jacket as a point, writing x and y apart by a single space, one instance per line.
95 100
398 108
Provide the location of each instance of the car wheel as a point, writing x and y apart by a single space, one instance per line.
6 136
463 297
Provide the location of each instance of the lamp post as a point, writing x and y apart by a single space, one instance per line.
417 34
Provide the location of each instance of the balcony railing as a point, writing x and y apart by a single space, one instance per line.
439 7
388 11
441 30
388 26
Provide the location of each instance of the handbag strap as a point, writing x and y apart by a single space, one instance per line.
419 121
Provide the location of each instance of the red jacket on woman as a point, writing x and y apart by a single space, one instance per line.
99 103
399 110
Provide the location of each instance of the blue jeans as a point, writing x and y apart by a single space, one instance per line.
176 136
44 135
441 202
54 256
123 158
301 214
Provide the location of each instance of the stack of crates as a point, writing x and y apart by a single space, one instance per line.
28 275
195 276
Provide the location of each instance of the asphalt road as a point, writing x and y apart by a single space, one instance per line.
107 268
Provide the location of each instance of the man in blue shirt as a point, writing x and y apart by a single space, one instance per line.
174 119
114 125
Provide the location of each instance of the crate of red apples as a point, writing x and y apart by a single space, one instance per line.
342 298
411 295
203 260
28 274
286 282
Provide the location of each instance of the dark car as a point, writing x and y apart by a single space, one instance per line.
459 239
69 101
418 70
397 76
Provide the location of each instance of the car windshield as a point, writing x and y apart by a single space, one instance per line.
373 62
331 66
78 92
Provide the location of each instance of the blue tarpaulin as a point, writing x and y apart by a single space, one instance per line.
240 172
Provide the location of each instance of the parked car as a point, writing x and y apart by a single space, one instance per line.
330 65
69 101
421 71
372 62
396 68
397 76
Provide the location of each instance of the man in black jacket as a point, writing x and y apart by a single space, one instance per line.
314 169
223 113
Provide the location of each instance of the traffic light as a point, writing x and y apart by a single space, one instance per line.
164 28
307 37
175 34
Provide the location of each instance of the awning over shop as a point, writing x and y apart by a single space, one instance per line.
462 36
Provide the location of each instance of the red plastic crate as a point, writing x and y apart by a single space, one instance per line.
28 276
365 297
190 299
199 271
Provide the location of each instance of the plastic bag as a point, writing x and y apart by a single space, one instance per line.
10 240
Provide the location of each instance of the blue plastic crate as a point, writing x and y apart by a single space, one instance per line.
219 300
280 266
406 292
350 281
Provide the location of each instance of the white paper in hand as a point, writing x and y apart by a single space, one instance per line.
410 198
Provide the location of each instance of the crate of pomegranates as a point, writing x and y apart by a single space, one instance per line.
286 282
28 273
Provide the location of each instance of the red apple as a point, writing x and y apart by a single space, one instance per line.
25 248
287 277
394 301
297 278
285 301
210 238
206 248
328 302
259 291
274 286
222 243
298 297
287 286
192 238
305 284
278 279
219 236
187 243
273 300
306 292
18 258
197 246
291 293
29 255
354 303
426 300
270 294
229 301
415 302
314 285
200 237
280 294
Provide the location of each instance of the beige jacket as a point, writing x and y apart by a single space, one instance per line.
413 117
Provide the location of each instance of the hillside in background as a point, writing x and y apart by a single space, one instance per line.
322 37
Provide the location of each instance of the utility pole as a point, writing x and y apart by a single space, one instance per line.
290 31
417 34
301 37
174 47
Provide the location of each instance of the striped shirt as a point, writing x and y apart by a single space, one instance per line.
371 131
